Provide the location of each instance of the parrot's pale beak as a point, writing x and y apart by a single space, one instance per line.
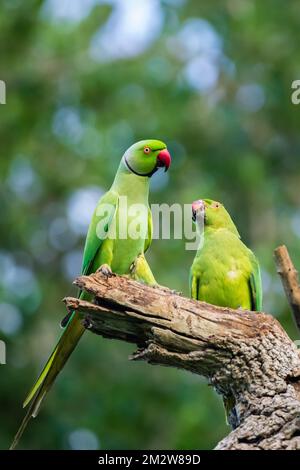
198 209
164 159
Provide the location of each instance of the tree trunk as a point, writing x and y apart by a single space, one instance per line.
246 356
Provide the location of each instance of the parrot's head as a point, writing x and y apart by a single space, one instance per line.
145 157
213 214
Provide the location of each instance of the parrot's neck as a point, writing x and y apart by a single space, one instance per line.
133 186
229 228
200 235
209 233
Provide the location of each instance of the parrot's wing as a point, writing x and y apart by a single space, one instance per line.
148 240
255 284
99 228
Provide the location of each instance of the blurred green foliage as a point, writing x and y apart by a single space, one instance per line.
84 80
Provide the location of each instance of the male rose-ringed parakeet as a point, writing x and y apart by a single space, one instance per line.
224 272
120 252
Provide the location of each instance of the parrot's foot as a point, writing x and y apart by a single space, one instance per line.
140 271
106 270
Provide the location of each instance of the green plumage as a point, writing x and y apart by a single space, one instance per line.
122 254
224 272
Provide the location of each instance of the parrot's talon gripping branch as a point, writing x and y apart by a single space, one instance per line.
106 270
247 356
290 280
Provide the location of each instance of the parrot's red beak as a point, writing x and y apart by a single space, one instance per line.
164 159
198 207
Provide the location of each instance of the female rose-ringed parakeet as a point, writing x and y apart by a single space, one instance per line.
224 272
116 247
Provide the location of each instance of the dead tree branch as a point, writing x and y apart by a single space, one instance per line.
246 356
290 280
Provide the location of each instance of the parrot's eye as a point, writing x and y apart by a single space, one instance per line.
147 150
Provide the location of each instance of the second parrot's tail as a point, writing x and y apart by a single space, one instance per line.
65 346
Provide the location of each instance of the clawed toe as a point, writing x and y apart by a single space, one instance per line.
106 270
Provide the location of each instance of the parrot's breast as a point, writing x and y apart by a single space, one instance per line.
223 268
131 233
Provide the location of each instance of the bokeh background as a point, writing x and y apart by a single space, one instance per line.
85 79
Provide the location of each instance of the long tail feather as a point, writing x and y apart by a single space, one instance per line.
22 427
54 365
40 379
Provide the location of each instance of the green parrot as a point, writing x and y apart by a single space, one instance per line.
119 234
224 272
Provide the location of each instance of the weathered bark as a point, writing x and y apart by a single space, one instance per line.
246 356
